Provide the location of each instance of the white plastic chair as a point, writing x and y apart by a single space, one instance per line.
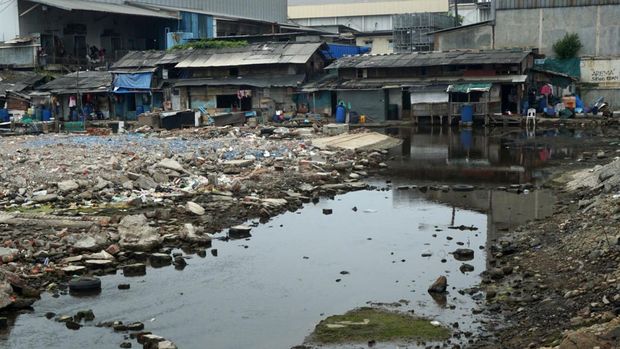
531 115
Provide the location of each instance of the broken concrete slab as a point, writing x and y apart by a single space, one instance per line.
194 208
357 141
171 164
136 234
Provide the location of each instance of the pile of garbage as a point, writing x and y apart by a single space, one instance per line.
80 204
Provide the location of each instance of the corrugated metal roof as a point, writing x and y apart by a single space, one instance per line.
429 59
263 10
84 81
256 81
528 4
362 84
83 5
255 54
149 59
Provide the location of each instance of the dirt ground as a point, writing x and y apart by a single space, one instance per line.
555 283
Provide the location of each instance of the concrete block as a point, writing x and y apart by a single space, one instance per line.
335 129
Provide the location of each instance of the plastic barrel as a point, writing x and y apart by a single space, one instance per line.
341 114
139 110
46 115
4 115
467 113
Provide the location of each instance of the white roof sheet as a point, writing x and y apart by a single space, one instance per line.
265 53
71 5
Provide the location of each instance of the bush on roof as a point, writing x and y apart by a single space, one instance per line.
210 43
568 46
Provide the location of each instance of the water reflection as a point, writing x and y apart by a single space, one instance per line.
483 155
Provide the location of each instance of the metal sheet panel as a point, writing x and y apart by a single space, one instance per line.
271 53
119 8
263 10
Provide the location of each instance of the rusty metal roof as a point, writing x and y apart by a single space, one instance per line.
429 59
255 54
256 81
149 59
84 81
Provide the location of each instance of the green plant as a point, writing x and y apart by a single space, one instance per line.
459 19
210 43
568 46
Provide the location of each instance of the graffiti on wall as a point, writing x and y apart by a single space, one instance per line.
601 71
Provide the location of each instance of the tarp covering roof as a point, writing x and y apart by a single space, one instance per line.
140 81
254 54
255 81
336 51
84 81
125 9
565 70
470 87
429 59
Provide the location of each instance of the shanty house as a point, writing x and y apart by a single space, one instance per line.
143 81
85 91
262 77
423 84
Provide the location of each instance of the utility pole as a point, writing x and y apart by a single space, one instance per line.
456 13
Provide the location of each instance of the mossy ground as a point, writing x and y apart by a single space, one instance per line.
366 324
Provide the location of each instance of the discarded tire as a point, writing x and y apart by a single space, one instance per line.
462 187
84 284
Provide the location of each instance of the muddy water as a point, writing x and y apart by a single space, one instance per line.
263 293
490 155
269 291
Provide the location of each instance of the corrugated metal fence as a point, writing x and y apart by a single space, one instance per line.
265 10
525 4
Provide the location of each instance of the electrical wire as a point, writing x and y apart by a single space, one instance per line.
8 4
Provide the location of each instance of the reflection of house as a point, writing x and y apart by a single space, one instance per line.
390 86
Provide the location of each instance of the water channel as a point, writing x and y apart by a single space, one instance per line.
270 290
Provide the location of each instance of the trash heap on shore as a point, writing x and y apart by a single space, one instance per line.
91 205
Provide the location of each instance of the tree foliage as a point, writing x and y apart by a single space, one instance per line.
210 43
568 46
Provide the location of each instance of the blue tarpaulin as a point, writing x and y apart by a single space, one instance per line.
338 51
139 81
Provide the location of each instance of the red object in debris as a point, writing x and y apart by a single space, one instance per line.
113 249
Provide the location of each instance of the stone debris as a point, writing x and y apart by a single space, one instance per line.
195 208
136 234
69 212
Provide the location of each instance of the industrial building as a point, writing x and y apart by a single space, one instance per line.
94 32
539 24
372 20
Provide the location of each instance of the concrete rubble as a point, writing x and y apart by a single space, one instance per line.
557 280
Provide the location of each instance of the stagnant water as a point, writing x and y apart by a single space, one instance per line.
270 291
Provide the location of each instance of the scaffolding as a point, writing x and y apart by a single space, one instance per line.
411 30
